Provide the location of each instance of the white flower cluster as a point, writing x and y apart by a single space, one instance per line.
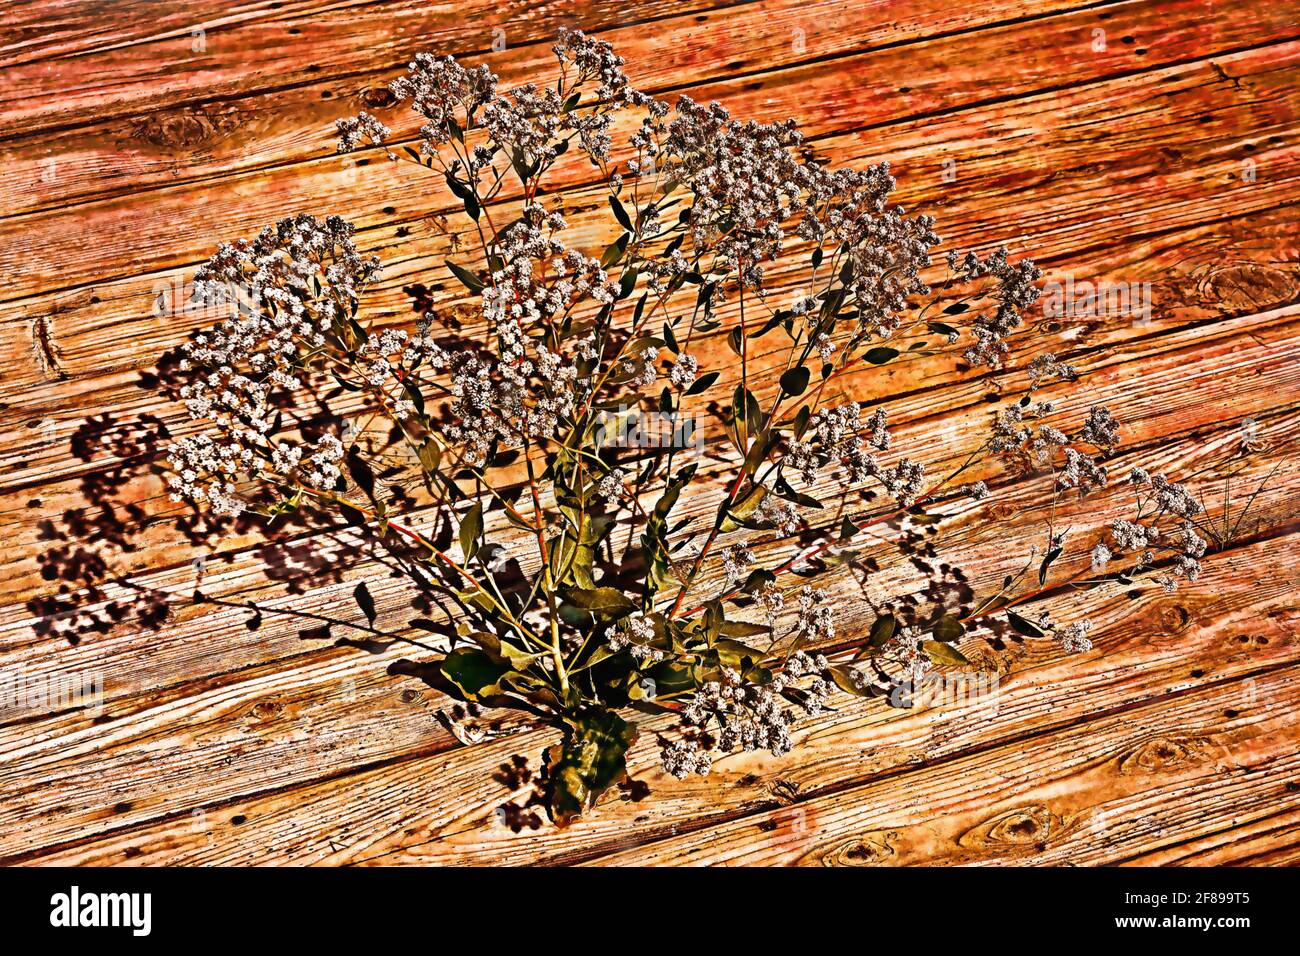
907 647
748 716
558 344
751 190
634 635
1045 367
841 436
442 91
526 390
1048 447
737 561
816 621
297 285
1158 499
780 514
1015 293
355 131
595 59
745 178
536 122
685 369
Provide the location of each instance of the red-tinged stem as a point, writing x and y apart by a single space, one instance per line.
713 534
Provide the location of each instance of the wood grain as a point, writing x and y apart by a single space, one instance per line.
133 138
108 750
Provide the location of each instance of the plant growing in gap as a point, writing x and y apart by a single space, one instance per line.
587 575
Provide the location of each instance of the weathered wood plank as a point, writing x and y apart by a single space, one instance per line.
209 639
194 141
163 720
1089 794
1145 649
1252 358
306 46
1170 156
40 30
170 227
170 656
1188 192
258 54
152 540
911 75
155 538
1272 840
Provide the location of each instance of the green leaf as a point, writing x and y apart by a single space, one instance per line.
608 601
517 656
1023 625
412 391
795 380
957 308
949 629
498 650
918 514
734 341
627 283
583 566
458 189
654 539
669 339
601 653
465 194
1048 558
711 624
881 354
882 629
758 451
703 382
470 281
743 509
471 526
474 671
941 653
844 681
285 506
831 304
430 455
591 758
620 213
743 629
614 251
732 653
801 419
784 489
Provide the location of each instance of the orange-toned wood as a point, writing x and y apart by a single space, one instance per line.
1165 149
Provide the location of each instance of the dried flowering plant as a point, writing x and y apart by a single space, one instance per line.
490 441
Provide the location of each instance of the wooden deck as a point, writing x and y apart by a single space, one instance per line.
1144 141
